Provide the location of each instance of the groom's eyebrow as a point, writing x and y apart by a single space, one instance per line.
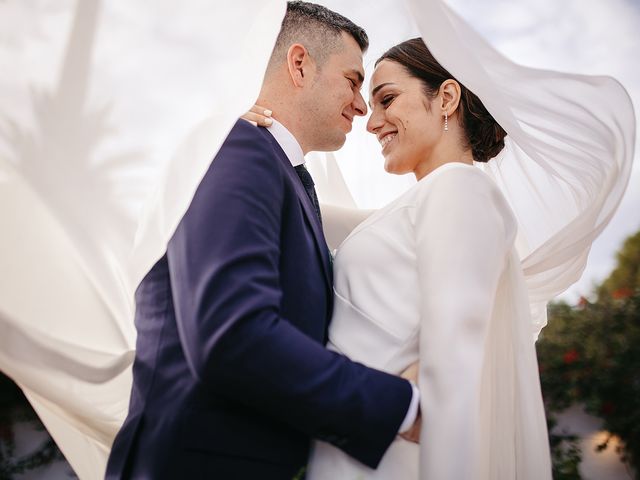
359 76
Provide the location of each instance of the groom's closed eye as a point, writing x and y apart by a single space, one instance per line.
356 78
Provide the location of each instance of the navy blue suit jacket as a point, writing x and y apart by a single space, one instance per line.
231 379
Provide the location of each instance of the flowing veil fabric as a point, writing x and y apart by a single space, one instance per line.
98 163
101 148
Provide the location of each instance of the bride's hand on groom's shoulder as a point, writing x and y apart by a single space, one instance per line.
413 434
258 116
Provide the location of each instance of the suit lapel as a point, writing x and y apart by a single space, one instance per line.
309 211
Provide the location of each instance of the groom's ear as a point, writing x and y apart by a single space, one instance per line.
301 66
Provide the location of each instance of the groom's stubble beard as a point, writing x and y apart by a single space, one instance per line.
329 100
322 122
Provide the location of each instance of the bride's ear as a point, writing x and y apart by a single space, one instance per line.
449 94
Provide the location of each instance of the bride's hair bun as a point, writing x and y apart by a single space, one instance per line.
484 136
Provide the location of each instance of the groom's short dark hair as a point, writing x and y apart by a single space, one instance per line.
317 28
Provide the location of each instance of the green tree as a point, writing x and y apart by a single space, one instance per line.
590 355
626 276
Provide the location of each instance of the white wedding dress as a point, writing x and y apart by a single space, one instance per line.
435 277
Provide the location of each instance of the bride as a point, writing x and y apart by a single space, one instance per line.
434 277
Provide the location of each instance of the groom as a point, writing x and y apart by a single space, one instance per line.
231 379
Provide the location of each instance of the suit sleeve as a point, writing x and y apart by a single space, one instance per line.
223 260
462 247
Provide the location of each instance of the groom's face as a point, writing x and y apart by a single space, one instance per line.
334 97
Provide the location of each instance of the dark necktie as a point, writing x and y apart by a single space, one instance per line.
307 181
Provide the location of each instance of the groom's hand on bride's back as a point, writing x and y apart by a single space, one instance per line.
413 434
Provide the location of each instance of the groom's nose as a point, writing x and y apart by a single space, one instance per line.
359 104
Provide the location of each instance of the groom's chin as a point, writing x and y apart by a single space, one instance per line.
332 144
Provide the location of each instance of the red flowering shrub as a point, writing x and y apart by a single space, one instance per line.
570 356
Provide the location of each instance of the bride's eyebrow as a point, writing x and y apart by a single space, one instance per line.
377 89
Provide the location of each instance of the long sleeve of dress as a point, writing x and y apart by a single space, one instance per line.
464 234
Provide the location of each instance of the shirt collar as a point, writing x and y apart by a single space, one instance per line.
287 142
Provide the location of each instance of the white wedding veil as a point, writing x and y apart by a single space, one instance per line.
113 113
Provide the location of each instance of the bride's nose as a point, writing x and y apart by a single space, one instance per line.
375 122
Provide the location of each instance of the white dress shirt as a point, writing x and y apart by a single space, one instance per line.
287 142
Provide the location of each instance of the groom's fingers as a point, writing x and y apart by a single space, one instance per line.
413 434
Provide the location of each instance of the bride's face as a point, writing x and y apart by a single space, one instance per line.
403 118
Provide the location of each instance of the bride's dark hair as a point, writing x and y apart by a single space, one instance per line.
484 136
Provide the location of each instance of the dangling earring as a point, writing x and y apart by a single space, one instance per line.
446 122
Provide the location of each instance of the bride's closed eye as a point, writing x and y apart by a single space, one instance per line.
387 100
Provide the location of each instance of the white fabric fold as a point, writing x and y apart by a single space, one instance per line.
95 177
